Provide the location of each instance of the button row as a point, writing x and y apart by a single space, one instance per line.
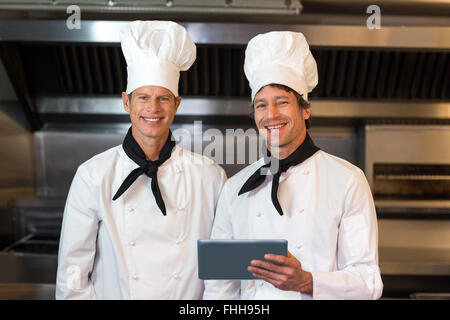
176 276
132 243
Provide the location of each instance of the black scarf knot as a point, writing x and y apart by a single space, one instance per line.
147 167
303 152
150 169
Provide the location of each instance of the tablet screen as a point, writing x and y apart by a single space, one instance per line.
229 259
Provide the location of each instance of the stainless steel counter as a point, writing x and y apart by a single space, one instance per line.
414 261
26 291
27 268
33 276
407 264
41 268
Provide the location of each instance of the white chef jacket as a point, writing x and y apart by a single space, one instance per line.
329 221
127 249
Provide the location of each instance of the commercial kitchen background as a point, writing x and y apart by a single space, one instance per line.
382 103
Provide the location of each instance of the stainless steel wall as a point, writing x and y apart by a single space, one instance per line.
411 144
17 173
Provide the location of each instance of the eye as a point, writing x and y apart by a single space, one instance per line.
283 102
163 99
260 106
143 98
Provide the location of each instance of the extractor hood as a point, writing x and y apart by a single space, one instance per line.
396 72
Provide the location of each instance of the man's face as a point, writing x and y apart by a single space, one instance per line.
151 110
279 118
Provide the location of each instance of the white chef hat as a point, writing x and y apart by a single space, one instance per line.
156 52
281 57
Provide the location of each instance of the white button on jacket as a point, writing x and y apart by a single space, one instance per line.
334 237
126 249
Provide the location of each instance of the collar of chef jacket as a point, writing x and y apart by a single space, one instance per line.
303 152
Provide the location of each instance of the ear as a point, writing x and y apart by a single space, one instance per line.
126 102
177 103
306 113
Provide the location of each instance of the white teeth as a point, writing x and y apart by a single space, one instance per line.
275 127
151 119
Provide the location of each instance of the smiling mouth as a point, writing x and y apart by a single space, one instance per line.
152 119
274 127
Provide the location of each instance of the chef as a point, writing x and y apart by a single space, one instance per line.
134 212
318 202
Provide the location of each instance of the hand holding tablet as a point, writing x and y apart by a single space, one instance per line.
283 272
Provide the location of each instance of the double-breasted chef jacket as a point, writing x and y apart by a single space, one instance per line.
329 221
127 249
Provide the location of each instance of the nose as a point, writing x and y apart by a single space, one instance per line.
272 111
152 105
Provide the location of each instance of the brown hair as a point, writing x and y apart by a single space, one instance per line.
302 103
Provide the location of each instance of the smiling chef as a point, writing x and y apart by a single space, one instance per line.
134 212
320 203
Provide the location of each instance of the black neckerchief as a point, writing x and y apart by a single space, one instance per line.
150 168
303 152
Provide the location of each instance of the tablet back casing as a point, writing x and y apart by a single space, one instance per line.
229 259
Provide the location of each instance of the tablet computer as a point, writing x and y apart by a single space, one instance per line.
229 259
